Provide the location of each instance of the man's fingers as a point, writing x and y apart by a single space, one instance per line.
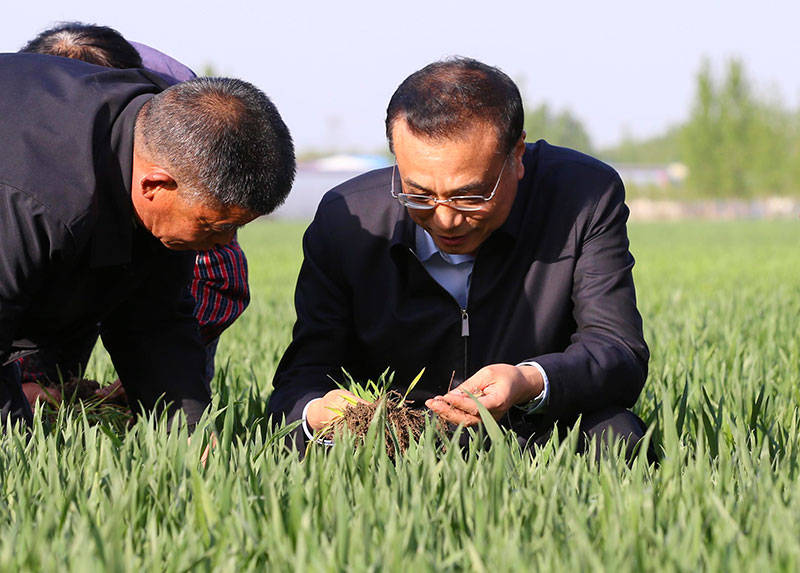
450 414
352 398
323 412
345 398
212 444
113 390
474 385
336 403
36 393
465 404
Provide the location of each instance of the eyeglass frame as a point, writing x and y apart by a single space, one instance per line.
449 201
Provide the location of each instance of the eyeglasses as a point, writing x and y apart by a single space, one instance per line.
459 202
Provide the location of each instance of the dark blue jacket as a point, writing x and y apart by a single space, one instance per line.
553 285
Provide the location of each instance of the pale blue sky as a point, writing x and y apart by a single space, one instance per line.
331 67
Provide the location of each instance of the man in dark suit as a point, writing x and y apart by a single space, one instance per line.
500 267
108 183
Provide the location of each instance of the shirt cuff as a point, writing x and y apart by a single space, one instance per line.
307 430
541 400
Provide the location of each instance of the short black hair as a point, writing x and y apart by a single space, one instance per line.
437 101
223 139
98 45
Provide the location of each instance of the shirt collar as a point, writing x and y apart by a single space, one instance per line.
426 248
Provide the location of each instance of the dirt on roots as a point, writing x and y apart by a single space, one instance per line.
80 394
404 422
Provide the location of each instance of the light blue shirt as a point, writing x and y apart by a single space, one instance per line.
453 272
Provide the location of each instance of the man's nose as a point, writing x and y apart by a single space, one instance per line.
446 217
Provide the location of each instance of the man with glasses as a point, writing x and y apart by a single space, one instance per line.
500 267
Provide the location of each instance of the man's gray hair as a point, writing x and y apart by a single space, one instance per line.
221 138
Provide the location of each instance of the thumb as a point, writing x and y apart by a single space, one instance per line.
471 385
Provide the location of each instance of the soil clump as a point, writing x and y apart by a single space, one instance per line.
81 395
404 422
85 390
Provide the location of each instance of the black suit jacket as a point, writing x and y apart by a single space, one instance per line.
553 284
71 255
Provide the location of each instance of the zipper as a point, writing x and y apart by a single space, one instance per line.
465 336
464 314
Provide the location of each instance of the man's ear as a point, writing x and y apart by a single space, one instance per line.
518 152
154 180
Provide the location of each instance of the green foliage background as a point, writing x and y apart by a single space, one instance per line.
739 140
559 128
721 304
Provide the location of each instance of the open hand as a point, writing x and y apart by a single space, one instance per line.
35 393
112 391
497 387
325 410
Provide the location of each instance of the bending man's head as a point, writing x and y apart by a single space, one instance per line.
220 147
210 154
98 45
444 99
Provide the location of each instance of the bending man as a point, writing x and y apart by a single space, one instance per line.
219 285
108 183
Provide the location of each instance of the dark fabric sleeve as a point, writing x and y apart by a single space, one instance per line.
606 361
30 239
154 343
320 335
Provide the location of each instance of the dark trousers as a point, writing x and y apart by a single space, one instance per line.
605 428
14 405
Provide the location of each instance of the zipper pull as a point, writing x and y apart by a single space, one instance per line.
464 322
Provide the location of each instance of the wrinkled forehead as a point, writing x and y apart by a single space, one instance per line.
471 157
404 133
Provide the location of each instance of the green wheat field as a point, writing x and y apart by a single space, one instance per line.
721 305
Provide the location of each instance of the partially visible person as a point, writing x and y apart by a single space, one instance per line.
98 45
165 66
109 181
219 287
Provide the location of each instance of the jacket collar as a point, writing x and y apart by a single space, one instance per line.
112 239
513 223
404 234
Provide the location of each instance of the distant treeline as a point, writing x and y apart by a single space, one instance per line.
736 142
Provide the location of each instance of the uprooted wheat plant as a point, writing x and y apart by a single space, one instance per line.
383 408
